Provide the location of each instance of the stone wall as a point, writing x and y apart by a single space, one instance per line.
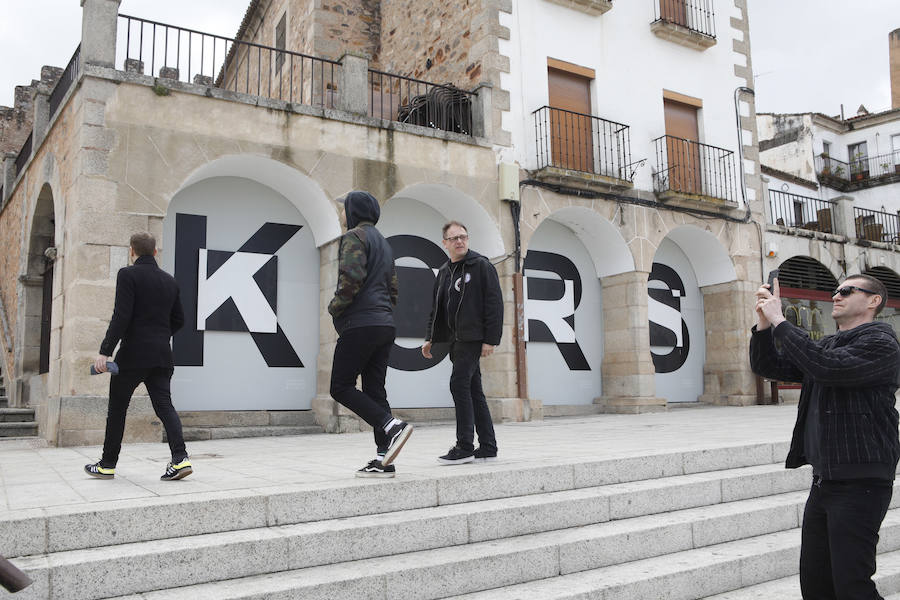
894 43
15 121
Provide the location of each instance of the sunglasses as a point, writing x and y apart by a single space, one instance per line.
457 238
849 289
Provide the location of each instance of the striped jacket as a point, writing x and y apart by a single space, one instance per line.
852 375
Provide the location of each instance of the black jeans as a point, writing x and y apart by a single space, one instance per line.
158 381
840 534
468 397
364 351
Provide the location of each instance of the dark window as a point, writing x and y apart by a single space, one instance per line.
280 40
859 159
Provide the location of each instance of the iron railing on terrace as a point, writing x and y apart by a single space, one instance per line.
213 60
696 15
65 81
859 169
407 100
876 225
689 167
580 142
24 154
804 212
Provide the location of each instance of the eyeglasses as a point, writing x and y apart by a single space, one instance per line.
457 238
849 289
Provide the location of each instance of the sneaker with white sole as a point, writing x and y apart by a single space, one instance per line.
99 471
397 436
485 455
375 468
457 456
177 471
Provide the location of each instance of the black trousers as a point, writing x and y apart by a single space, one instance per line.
840 535
468 397
364 351
121 387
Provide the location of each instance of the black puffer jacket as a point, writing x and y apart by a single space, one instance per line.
479 317
852 377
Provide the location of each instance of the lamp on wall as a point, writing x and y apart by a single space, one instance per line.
771 250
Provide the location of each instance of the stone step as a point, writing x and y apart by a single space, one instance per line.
708 572
446 537
21 429
193 434
246 418
86 526
4 401
887 579
16 415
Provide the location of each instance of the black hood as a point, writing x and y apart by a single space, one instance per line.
361 206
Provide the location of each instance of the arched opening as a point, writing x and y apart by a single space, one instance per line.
38 290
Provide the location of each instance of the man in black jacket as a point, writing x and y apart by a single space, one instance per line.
846 429
468 313
363 313
147 313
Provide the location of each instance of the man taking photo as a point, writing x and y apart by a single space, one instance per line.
846 429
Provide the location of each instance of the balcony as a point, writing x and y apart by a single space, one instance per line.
691 23
802 212
860 173
877 226
692 174
590 7
582 150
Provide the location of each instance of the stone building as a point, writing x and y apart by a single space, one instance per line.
619 199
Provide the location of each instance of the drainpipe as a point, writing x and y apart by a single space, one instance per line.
740 132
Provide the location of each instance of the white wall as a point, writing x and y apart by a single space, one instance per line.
632 66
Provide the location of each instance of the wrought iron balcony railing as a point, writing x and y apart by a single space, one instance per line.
803 212
876 225
407 100
579 142
689 167
695 15
65 81
24 154
861 171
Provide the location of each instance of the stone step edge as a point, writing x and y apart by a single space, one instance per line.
886 578
40 531
535 571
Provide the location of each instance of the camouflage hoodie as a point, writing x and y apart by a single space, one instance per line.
367 287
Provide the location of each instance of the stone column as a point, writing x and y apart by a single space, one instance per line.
728 317
354 84
629 377
482 111
98 32
845 224
40 101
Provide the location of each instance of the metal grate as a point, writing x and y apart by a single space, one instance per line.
890 280
806 273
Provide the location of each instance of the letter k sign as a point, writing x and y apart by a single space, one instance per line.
234 280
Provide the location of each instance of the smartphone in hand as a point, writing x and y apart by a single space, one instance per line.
773 282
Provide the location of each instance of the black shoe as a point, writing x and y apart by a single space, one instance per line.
178 471
376 469
457 456
99 471
484 455
397 436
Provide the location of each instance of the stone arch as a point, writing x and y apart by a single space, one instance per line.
707 255
302 191
603 240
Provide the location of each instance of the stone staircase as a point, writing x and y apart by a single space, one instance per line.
219 425
719 523
15 422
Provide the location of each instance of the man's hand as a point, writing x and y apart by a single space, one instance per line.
768 308
426 349
486 350
100 363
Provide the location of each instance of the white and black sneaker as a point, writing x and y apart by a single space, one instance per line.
485 455
397 436
457 456
376 469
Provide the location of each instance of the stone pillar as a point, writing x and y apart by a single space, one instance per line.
98 32
629 377
483 110
354 84
40 101
845 223
728 317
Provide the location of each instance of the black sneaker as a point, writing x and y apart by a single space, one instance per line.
485 455
99 471
397 436
376 469
457 456
177 471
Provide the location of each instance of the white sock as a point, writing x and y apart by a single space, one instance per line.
379 457
391 423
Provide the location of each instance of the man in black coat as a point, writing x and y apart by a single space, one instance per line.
846 429
468 313
147 313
